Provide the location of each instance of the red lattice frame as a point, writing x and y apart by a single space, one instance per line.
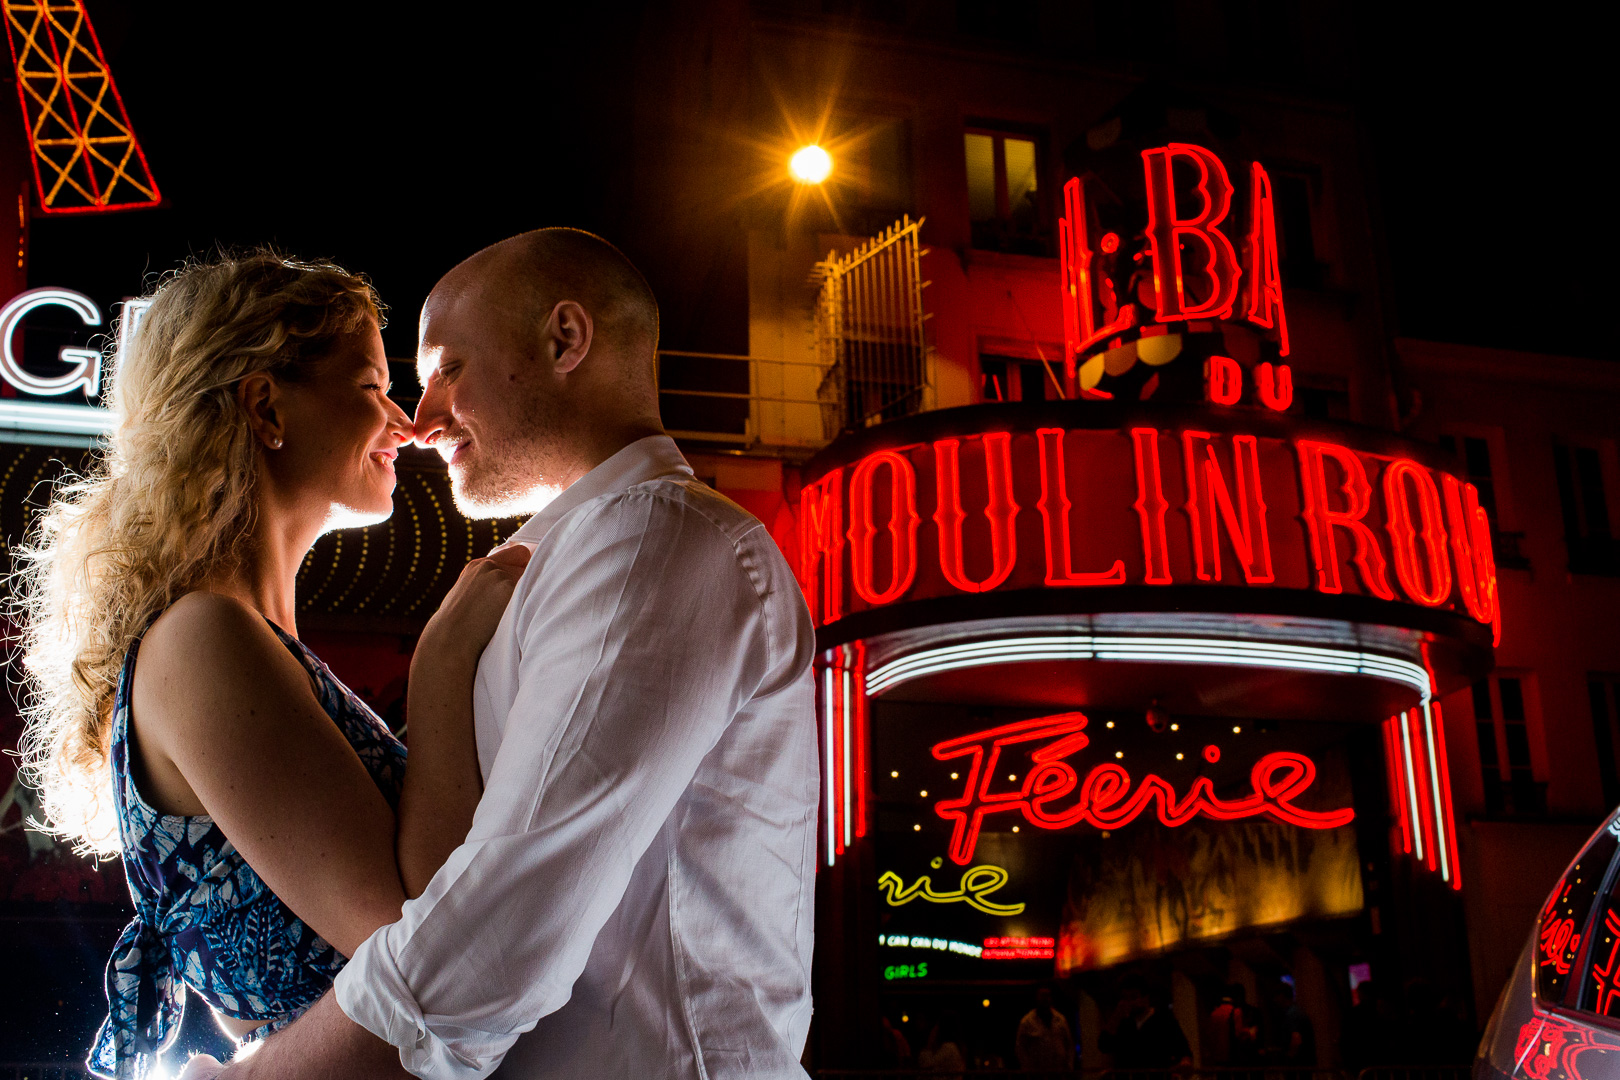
86 157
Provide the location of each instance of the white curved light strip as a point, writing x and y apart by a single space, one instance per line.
1168 650
67 419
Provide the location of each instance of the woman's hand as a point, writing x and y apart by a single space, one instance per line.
472 610
442 779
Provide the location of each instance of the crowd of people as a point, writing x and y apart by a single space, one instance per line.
1142 1031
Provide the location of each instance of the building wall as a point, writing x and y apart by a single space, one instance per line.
1557 626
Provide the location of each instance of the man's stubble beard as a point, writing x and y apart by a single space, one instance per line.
508 473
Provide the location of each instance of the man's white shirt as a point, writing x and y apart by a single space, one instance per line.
635 897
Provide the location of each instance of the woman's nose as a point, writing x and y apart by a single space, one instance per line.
399 424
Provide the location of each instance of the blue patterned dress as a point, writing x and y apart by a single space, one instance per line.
203 918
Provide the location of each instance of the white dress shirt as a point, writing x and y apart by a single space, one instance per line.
635 898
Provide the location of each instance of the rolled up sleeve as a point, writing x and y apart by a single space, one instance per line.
642 631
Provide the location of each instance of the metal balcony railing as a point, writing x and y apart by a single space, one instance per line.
869 331
741 401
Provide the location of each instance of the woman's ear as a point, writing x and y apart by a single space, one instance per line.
258 394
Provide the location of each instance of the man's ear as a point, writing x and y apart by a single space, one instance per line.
259 394
567 336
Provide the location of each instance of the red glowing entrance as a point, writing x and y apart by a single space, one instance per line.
1106 799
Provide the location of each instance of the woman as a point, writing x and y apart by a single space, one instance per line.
265 815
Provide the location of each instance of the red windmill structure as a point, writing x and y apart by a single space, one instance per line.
86 158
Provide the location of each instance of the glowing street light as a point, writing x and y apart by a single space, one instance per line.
810 164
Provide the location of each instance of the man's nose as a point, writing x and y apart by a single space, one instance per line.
431 419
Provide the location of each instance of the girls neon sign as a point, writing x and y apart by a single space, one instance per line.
1061 508
1046 796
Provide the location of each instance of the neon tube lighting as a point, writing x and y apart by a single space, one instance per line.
828 698
1412 803
1173 650
1434 789
61 419
849 758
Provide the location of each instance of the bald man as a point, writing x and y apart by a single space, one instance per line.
635 897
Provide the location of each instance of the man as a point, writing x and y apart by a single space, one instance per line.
1141 1035
635 896
1233 1036
1044 1043
1298 1046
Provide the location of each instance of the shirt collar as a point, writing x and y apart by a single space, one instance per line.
643 460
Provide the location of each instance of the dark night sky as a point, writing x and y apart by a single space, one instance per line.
399 140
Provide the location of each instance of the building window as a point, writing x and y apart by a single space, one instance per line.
1587 529
1005 192
1006 378
1503 726
1473 456
1604 691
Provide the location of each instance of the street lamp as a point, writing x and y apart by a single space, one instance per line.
810 164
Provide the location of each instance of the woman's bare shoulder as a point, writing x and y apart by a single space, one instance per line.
205 646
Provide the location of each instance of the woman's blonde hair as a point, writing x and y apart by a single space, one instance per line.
167 502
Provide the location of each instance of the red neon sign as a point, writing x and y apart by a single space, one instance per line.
1078 282
821 546
1140 505
1430 585
1019 948
1246 532
1224 384
901 526
1001 511
1151 505
1323 519
1168 233
1055 507
1265 273
1471 544
1106 799
1196 271
1275 384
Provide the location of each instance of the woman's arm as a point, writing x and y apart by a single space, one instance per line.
226 723
442 779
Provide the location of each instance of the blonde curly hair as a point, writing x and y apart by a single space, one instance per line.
166 503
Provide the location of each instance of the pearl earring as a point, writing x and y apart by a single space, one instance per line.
275 444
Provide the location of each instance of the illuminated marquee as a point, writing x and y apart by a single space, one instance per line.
1174 504
1046 796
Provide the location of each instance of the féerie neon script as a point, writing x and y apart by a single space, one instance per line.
1106 799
